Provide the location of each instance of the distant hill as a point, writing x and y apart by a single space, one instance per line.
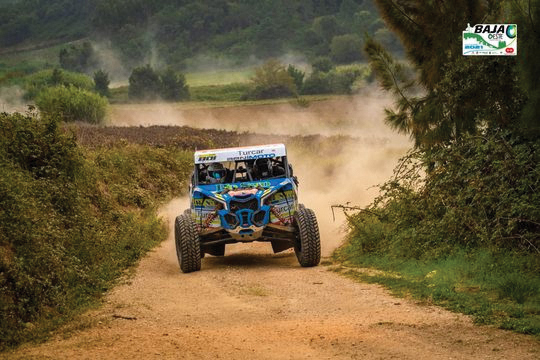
176 31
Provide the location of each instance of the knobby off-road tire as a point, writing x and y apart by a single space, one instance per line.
188 244
308 241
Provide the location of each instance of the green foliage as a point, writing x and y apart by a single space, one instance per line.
297 76
173 86
459 225
181 31
227 92
100 218
78 58
339 80
272 80
326 26
144 84
444 112
39 21
35 83
316 83
479 193
528 18
72 104
322 64
101 83
147 85
346 49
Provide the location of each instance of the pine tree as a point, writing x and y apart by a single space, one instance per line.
429 105
101 83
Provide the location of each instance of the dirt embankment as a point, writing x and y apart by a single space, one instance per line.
252 304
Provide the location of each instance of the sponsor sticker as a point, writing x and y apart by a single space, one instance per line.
490 40
262 184
207 157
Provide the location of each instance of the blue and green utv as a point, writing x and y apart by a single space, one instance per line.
245 194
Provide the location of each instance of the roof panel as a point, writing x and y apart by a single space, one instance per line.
240 153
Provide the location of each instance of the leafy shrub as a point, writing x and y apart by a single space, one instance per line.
101 83
317 83
323 64
71 220
35 83
346 49
481 192
72 104
297 76
146 84
271 80
343 78
339 80
78 58
173 86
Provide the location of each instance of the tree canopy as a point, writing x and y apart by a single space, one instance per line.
179 30
445 95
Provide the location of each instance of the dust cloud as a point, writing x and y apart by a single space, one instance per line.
11 100
356 152
109 61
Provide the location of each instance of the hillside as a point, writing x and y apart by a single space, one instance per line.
177 33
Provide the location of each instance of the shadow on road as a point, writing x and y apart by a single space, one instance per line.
251 260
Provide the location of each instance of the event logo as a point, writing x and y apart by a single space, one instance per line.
490 39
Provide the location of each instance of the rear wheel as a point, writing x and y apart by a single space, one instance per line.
188 244
308 241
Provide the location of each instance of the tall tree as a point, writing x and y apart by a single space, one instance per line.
528 20
173 86
429 107
144 84
101 83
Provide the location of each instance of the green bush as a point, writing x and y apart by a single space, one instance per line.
78 58
297 76
346 48
173 86
144 84
481 192
101 83
339 80
322 64
271 80
35 83
317 83
72 104
148 85
72 220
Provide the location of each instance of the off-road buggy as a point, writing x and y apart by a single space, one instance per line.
244 194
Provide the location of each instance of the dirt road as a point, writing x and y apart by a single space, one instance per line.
251 304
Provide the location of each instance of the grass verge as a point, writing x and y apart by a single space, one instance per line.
492 288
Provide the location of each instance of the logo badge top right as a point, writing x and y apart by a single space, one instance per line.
490 40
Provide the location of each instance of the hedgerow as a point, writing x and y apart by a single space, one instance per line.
72 219
480 192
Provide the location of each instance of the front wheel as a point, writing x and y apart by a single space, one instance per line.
308 241
188 244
